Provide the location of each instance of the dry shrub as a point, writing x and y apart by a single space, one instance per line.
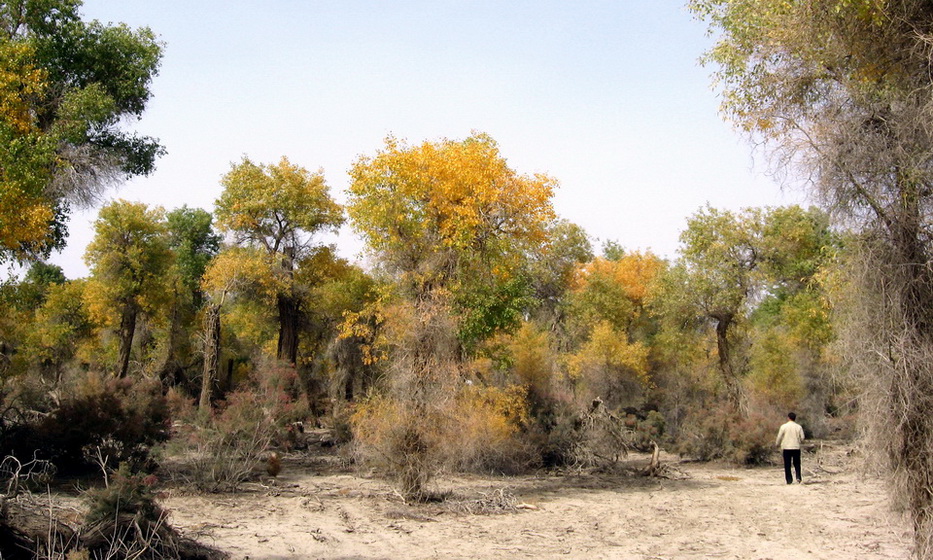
400 442
403 429
602 438
553 427
429 418
721 434
97 418
228 448
486 436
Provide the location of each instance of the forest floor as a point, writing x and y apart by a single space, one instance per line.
317 509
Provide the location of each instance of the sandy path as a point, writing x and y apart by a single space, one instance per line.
719 512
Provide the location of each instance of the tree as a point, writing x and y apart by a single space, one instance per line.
194 243
840 89
734 263
279 208
451 216
714 278
552 270
192 238
67 87
129 258
233 271
61 324
616 291
453 225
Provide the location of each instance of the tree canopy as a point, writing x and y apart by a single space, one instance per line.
66 88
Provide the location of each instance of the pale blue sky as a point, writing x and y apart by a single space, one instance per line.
607 97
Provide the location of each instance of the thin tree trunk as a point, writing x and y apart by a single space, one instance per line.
211 354
167 373
127 330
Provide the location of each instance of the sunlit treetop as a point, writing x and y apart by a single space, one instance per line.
276 207
411 201
634 273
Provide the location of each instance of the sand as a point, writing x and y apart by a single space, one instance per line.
316 510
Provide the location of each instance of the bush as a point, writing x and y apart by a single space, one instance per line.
98 419
125 522
228 447
399 441
727 435
647 430
126 493
487 424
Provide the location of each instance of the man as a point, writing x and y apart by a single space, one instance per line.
789 437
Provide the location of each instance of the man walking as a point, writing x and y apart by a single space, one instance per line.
789 437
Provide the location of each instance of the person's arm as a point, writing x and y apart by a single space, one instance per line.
780 435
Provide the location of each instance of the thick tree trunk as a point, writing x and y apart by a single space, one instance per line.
729 377
912 380
211 354
289 322
127 330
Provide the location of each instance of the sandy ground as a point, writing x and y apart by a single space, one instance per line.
717 512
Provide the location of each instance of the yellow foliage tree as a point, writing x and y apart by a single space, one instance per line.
232 271
429 211
25 214
278 209
610 367
129 258
615 290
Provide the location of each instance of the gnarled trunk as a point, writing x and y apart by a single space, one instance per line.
726 367
211 354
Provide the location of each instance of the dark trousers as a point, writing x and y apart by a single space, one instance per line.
791 455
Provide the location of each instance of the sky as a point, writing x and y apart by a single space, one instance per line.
608 97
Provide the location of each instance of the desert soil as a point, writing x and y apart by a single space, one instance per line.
314 509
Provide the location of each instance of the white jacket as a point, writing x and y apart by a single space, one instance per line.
790 436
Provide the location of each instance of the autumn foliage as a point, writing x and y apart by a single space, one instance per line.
485 336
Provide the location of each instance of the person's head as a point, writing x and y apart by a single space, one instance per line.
791 416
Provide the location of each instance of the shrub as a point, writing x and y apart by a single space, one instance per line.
647 430
97 418
487 424
228 448
125 493
399 441
125 522
725 435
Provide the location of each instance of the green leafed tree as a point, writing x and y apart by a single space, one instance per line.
733 263
67 88
279 209
194 243
129 259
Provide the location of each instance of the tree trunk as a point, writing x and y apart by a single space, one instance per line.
289 321
912 379
169 370
127 330
211 354
724 350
